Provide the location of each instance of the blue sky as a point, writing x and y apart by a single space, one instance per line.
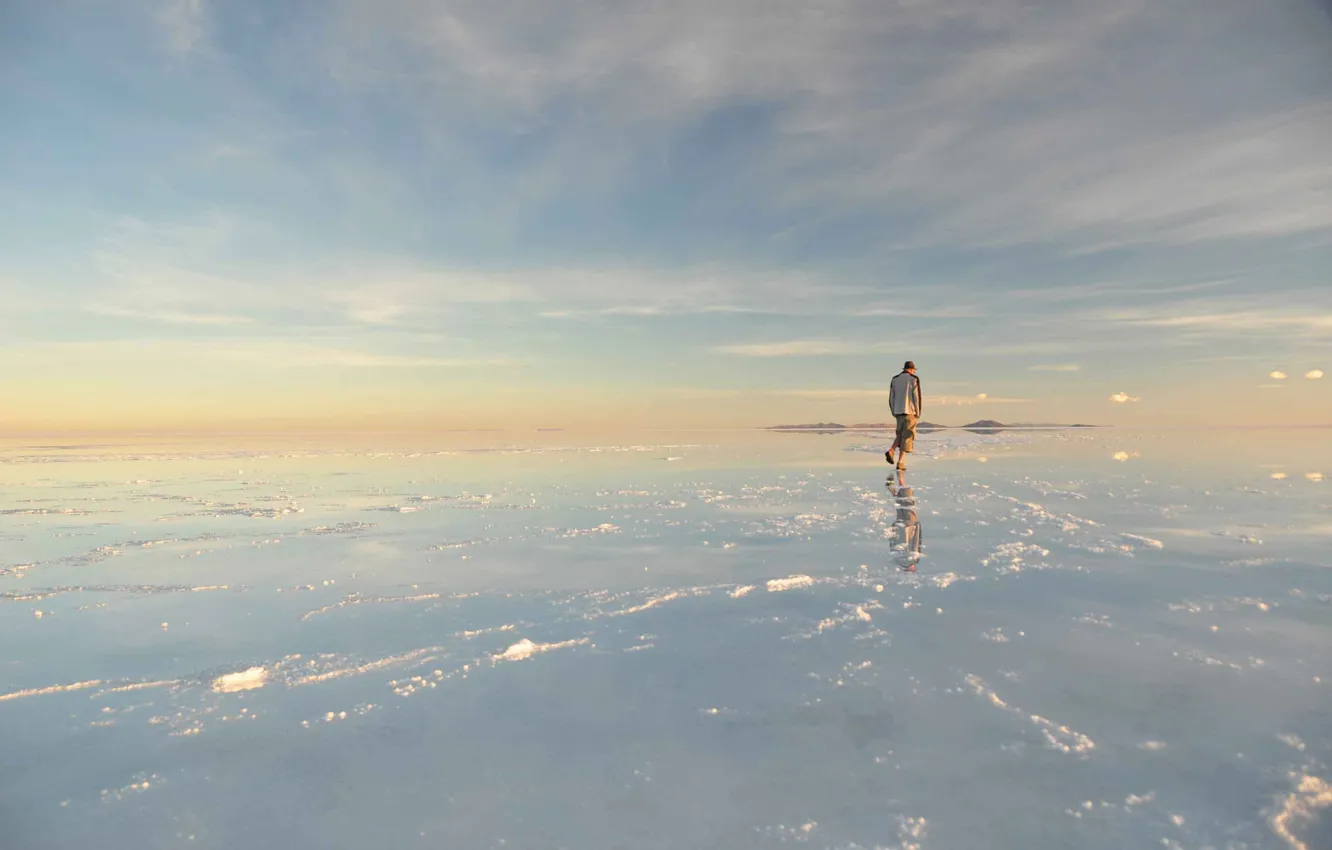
699 213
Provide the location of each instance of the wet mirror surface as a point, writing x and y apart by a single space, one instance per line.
1084 638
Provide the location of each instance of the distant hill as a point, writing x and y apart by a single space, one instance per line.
817 426
988 424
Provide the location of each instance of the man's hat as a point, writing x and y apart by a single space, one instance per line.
909 365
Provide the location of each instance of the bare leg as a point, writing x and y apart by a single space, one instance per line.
907 439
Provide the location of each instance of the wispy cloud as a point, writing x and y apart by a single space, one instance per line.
220 352
172 317
185 267
952 312
833 394
1056 367
791 348
971 401
1277 375
1245 320
1314 374
182 24
297 355
992 128
747 182
1124 398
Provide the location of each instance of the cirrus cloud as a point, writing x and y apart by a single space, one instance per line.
790 348
1055 367
1123 398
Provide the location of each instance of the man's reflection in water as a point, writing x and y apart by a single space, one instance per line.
906 528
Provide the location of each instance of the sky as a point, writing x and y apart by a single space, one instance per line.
413 215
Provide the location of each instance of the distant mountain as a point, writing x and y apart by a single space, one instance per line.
986 423
930 426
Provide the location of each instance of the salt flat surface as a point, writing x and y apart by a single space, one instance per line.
1093 639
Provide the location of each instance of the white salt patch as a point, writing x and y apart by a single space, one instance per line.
1146 541
1299 809
1152 746
137 786
142 686
1292 741
790 583
417 656
468 634
1096 620
910 832
604 528
244 680
857 613
357 599
1139 799
1057 736
741 591
658 600
942 581
525 649
51 689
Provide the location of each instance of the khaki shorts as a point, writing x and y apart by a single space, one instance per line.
906 432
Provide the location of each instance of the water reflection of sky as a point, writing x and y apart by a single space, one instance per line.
580 644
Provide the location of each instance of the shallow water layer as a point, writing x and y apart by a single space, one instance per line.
1092 638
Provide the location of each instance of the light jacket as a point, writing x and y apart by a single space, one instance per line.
904 396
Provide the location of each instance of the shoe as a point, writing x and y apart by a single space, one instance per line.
889 455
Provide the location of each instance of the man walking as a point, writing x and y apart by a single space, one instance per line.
904 397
